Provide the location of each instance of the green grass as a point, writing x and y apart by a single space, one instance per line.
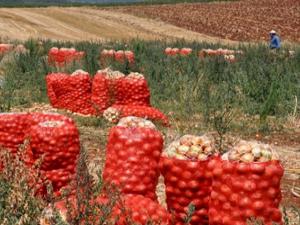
258 84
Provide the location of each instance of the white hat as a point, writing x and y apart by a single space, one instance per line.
272 32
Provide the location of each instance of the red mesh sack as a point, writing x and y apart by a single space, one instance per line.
54 84
37 117
101 91
141 210
132 90
138 209
147 112
57 141
63 56
73 92
242 190
57 86
187 182
13 130
132 158
185 51
129 55
79 97
120 56
106 56
4 48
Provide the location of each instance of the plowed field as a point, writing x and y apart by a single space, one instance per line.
245 20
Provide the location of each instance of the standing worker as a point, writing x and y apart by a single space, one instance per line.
275 42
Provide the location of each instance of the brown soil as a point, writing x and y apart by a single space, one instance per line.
244 20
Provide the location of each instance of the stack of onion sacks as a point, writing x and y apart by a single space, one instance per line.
184 166
132 156
246 184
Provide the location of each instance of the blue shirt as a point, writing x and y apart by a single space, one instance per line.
275 42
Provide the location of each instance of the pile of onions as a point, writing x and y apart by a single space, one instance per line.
132 121
190 147
111 114
251 152
135 75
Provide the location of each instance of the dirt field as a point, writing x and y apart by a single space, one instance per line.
87 24
244 20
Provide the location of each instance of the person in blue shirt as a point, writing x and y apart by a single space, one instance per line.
275 42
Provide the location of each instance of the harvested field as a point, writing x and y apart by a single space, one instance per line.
84 23
245 20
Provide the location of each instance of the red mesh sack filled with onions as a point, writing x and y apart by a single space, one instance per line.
38 117
63 56
141 210
107 57
13 128
57 85
114 113
73 92
184 166
132 90
132 156
123 56
128 209
246 184
79 97
5 48
103 88
56 142
172 51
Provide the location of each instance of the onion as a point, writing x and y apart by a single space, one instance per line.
190 147
248 157
132 121
251 152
